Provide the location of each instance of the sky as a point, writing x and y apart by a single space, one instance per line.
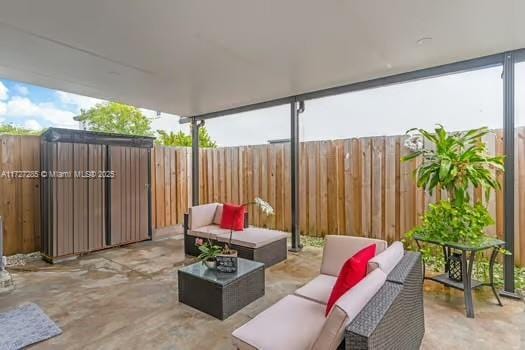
459 102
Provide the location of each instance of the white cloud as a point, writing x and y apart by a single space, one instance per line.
3 92
22 107
32 124
3 108
21 89
79 102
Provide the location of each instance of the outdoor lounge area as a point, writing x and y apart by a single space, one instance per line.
276 175
127 298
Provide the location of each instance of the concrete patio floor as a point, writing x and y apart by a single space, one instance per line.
126 298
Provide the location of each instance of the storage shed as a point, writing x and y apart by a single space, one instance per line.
95 191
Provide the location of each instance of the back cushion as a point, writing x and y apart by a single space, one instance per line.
346 309
218 215
202 215
388 259
232 217
353 271
338 249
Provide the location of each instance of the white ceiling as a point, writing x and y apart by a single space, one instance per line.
194 57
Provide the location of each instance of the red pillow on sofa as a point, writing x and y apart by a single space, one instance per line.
353 271
232 217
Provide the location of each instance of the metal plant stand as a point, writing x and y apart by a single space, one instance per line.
468 255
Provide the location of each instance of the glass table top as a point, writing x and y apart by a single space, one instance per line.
200 270
486 243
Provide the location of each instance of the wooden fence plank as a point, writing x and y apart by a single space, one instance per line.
377 190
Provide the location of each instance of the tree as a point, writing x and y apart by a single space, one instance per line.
182 139
117 118
9 129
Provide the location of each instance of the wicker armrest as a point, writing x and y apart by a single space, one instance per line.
186 223
394 317
371 327
400 273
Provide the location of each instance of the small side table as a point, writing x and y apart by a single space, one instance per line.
468 255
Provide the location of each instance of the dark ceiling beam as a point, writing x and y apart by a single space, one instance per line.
446 69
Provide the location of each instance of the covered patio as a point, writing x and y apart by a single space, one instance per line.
203 62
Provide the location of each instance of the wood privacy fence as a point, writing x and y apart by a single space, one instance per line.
354 186
20 198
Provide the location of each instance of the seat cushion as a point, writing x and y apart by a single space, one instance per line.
202 215
318 289
388 259
252 237
293 323
338 249
352 272
209 231
346 309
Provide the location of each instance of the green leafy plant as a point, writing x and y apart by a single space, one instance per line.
455 161
209 251
445 222
10 129
117 118
181 139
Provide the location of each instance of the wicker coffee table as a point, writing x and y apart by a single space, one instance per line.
221 294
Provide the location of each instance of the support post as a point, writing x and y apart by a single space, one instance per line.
294 172
508 189
195 125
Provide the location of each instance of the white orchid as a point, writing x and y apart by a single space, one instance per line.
414 143
265 207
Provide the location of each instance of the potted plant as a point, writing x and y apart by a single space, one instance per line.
454 162
209 252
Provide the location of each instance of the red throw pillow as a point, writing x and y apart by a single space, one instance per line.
232 217
353 271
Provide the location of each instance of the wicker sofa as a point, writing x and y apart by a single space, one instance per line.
383 311
253 243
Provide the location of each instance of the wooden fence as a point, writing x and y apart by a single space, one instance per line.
354 186
20 198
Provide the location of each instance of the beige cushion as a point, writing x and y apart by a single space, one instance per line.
346 309
388 259
218 215
202 215
292 323
338 249
209 231
318 289
252 237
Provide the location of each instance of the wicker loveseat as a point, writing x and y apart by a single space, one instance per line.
253 243
383 311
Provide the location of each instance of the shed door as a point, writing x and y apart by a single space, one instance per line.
128 194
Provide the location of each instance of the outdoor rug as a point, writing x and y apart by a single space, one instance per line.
25 325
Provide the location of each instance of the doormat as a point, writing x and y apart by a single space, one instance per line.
25 325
